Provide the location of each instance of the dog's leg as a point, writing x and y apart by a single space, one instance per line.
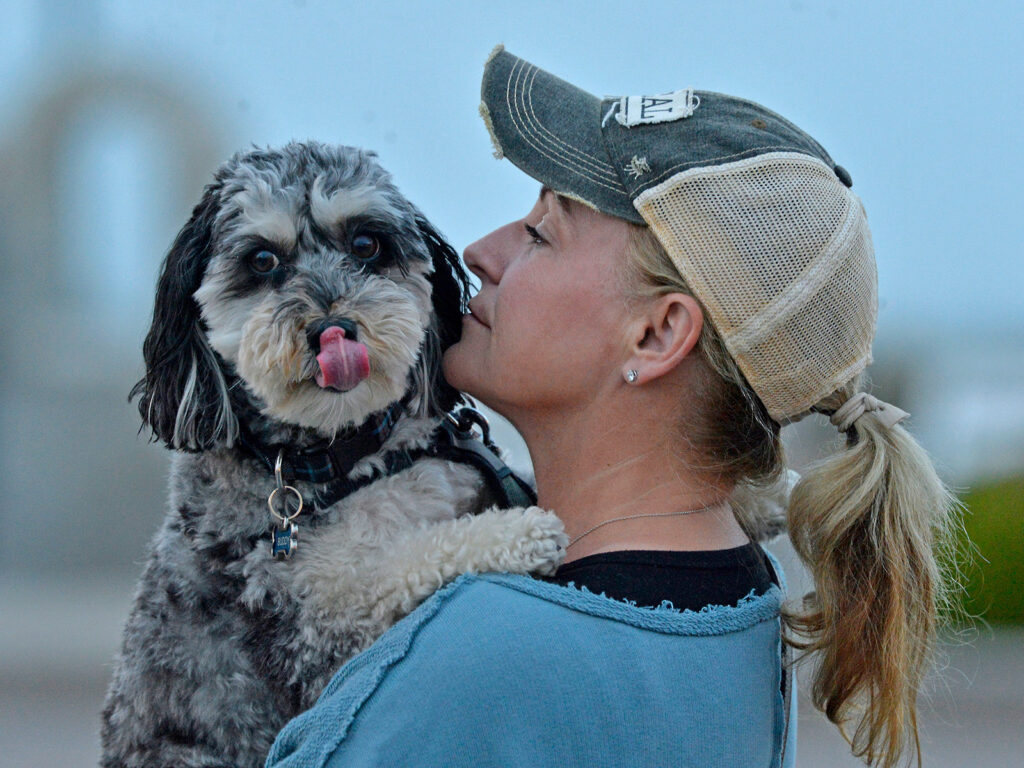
410 569
518 540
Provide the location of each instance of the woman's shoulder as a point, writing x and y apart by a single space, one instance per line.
520 624
531 649
481 613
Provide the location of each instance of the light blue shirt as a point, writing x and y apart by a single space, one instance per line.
504 670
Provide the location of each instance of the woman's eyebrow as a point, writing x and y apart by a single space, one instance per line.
563 203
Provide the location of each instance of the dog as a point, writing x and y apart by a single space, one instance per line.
293 367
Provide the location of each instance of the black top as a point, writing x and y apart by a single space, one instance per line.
687 579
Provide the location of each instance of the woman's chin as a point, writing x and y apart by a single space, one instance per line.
453 366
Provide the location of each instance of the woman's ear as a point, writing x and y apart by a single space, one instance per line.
183 397
666 333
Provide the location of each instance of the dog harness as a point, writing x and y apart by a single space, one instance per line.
328 464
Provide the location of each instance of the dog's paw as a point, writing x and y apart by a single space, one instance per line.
551 540
522 540
517 540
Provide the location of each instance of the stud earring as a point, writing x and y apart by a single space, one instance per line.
631 375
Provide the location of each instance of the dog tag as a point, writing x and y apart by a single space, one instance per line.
284 540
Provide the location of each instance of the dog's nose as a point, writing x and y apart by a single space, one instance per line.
314 330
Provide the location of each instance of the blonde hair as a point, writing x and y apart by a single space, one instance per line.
867 522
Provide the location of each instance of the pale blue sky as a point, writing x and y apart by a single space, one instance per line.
921 102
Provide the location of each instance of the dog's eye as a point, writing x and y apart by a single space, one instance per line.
263 262
365 247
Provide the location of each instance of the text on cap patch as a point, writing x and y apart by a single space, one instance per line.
660 108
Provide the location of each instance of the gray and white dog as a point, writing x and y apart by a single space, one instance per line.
299 323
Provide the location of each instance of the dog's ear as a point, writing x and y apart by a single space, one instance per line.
450 286
184 394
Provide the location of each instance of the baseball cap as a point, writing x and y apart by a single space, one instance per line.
753 212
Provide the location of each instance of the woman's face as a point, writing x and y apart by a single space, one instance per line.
549 327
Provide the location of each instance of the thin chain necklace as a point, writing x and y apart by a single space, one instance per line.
647 514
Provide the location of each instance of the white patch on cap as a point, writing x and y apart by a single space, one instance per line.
660 108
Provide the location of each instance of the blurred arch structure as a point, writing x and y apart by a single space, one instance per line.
81 490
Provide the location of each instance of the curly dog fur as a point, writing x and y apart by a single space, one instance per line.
225 643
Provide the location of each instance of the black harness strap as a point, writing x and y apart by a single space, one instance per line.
338 489
456 441
328 464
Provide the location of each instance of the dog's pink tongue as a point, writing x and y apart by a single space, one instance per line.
343 362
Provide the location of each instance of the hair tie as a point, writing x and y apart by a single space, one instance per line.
848 413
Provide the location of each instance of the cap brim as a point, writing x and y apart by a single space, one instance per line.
552 130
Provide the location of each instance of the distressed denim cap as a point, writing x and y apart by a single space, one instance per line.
753 212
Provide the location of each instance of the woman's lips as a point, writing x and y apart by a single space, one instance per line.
476 317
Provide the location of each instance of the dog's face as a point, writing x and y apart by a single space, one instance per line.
304 272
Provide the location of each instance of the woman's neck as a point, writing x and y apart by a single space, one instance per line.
593 466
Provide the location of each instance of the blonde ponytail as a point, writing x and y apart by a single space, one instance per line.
868 523
872 524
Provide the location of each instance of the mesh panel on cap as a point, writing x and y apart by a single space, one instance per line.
778 251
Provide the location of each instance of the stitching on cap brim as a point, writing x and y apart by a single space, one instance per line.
537 142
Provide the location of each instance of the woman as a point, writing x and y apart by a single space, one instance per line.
694 274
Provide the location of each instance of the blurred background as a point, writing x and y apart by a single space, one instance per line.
114 114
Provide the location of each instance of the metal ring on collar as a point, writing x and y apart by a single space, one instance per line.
278 465
278 515
465 417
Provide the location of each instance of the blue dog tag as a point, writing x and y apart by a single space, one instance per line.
283 541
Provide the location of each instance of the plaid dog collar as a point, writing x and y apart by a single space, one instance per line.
327 461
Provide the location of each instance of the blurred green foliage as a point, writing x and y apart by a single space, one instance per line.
994 574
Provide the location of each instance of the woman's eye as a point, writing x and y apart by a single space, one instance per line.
263 262
365 247
536 236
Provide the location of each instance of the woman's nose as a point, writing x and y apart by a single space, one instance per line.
486 257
